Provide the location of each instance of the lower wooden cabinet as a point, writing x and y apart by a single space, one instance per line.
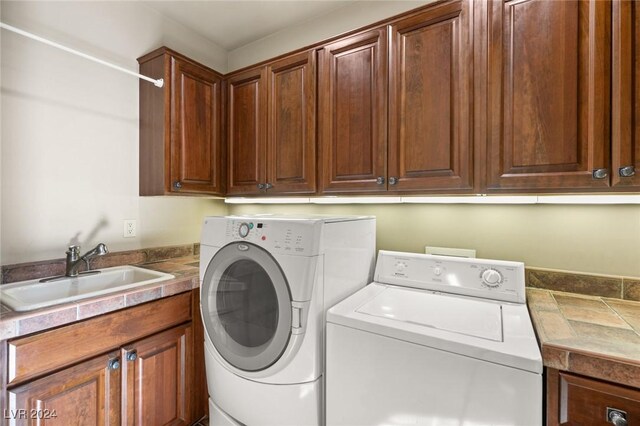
150 379
577 400
86 394
157 378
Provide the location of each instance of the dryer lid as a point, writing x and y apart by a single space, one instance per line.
454 314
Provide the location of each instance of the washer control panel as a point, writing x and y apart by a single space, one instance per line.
491 279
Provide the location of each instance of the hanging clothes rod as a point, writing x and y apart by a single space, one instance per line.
159 82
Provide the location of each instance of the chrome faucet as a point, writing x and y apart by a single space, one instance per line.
74 258
74 261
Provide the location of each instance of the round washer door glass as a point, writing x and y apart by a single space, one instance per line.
246 306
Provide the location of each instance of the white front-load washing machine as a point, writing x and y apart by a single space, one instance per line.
266 283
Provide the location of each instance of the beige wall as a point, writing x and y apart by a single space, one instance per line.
595 239
350 17
69 150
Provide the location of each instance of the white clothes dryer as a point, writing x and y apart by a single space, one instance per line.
435 340
266 283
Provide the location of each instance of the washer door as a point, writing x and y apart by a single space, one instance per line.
246 306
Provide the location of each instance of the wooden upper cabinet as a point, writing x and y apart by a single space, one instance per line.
625 95
246 131
86 394
271 129
157 377
353 113
196 148
181 151
429 97
291 124
548 94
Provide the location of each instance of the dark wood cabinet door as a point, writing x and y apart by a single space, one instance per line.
291 147
196 147
353 113
246 129
157 384
86 394
548 94
429 98
576 400
625 143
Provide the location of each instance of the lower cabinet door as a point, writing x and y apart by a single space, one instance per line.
576 400
86 394
157 377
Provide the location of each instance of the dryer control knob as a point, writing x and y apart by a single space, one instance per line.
243 230
491 277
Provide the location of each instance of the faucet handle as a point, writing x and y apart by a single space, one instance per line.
73 252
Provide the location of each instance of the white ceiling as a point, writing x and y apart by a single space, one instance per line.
232 24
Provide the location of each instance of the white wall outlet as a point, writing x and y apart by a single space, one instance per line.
129 230
447 251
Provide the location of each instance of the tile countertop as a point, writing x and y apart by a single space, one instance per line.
185 270
593 336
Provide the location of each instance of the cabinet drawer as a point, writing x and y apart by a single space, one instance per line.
585 401
35 355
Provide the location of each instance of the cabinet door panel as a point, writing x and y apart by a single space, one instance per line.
291 121
585 401
430 83
87 394
246 132
626 95
158 382
548 94
353 110
196 145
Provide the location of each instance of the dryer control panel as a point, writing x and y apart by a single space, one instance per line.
490 279
283 237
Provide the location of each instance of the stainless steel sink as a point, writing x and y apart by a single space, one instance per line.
30 295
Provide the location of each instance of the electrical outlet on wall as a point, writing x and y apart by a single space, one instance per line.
129 228
449 251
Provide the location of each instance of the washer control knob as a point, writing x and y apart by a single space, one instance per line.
437 271
491 277
243 231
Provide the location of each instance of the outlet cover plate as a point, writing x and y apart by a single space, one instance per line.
129 230
448 251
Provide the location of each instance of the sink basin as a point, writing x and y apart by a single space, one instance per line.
30 295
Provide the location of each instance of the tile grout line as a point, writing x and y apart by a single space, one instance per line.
621 317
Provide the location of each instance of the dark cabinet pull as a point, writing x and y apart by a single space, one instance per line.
616 417
268 186
132 356
380 180
113 364
600 173
261 186
177 185
393 180
627 171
